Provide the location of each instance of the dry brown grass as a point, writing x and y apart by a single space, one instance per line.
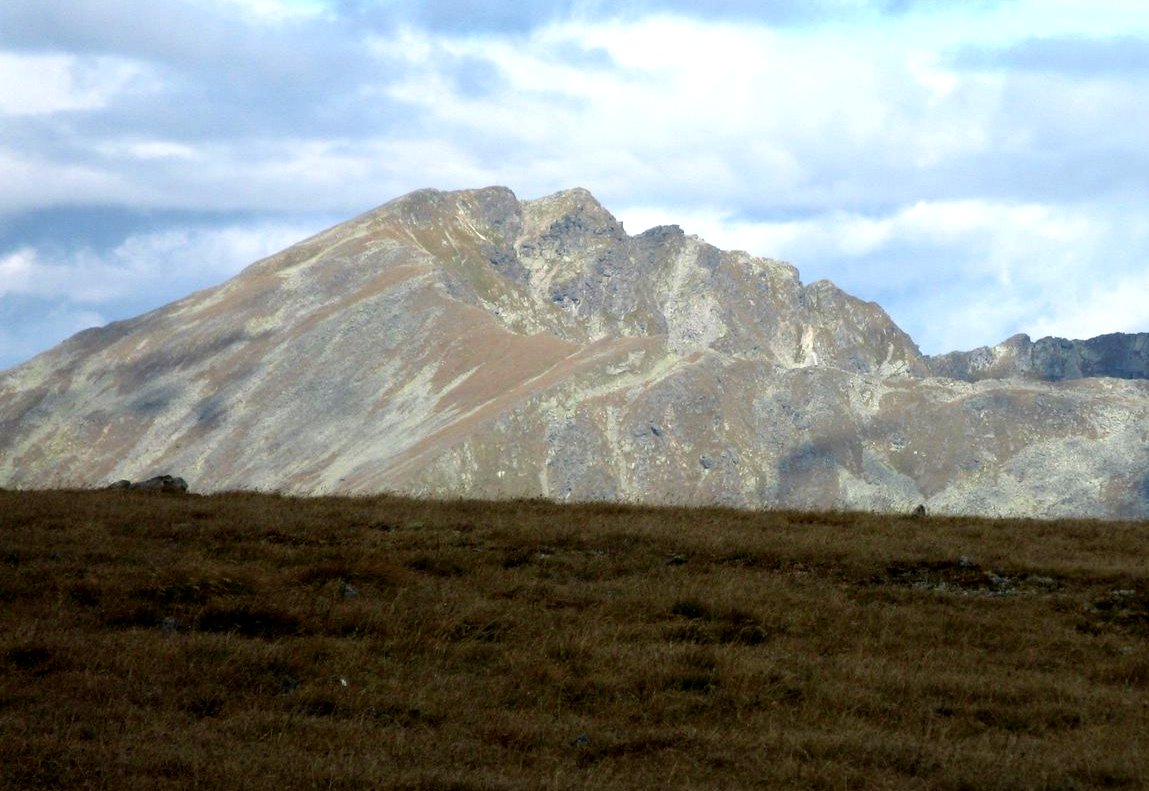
253 641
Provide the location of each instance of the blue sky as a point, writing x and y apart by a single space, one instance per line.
979 168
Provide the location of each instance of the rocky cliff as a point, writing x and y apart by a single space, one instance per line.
470 343
1118 355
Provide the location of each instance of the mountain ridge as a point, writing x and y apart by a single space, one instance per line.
452 343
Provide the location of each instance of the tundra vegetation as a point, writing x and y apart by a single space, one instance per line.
254 641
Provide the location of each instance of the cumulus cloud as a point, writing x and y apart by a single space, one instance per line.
44 84
711 113
744 115
692 112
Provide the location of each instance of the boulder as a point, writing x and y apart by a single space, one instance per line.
160 483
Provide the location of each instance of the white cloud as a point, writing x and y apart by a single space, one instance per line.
1086 310
694 114
44 84
1093 19
153 149
705 114
17 272
31 181
276 10
164 263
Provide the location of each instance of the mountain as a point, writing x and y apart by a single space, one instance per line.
469 343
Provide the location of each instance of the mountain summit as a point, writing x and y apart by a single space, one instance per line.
472 344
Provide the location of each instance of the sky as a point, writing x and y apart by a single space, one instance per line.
977 167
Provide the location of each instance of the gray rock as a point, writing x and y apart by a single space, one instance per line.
1117 355
160 483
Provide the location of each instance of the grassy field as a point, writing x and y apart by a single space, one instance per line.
249 641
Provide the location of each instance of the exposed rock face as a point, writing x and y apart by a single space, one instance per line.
469 343
1118 355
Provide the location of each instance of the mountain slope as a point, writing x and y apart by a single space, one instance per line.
469 343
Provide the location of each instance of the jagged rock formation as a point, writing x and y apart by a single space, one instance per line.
1118 355
469 343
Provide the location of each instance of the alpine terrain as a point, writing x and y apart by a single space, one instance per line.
472 344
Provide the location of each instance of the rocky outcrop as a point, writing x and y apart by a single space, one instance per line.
1119 355
160 483
472 344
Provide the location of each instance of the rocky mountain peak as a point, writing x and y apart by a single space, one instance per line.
569 213
469 343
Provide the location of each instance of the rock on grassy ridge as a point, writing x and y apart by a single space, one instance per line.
469 343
